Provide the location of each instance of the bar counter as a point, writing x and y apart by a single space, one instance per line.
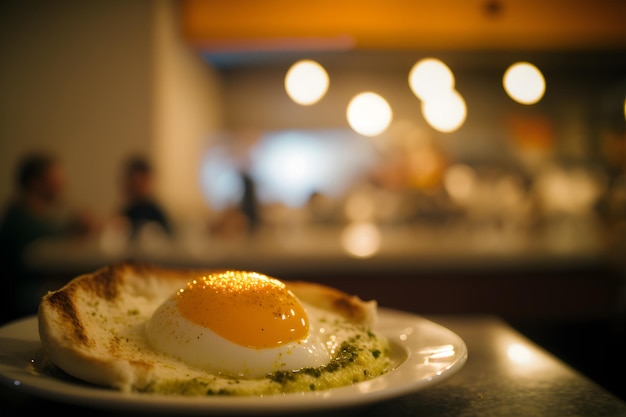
505 374
425 270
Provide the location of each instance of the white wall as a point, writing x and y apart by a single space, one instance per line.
76 80
94 81
187 111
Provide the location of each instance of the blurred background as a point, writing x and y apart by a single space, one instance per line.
491 179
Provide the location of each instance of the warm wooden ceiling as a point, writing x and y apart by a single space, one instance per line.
237 25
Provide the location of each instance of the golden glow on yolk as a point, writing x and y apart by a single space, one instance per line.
246 308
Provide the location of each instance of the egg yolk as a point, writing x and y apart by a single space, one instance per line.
246 308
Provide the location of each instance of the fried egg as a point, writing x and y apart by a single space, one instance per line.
241 324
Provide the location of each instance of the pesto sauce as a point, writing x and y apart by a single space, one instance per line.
359 358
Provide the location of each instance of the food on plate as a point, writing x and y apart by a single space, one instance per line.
146 328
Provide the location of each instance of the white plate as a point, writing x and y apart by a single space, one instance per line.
425 353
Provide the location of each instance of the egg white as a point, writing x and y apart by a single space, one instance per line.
170 333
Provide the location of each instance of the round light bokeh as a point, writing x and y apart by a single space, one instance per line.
460 182
361 239
524 83
306 82
430 76
369 114
445 112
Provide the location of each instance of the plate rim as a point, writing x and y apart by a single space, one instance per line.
390 385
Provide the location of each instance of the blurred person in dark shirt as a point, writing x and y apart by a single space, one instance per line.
37 210
140 207
249 204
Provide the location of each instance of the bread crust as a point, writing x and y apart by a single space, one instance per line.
328 298
91 327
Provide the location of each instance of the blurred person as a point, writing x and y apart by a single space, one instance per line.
249 204
323 210
140 206
242 218
38 210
